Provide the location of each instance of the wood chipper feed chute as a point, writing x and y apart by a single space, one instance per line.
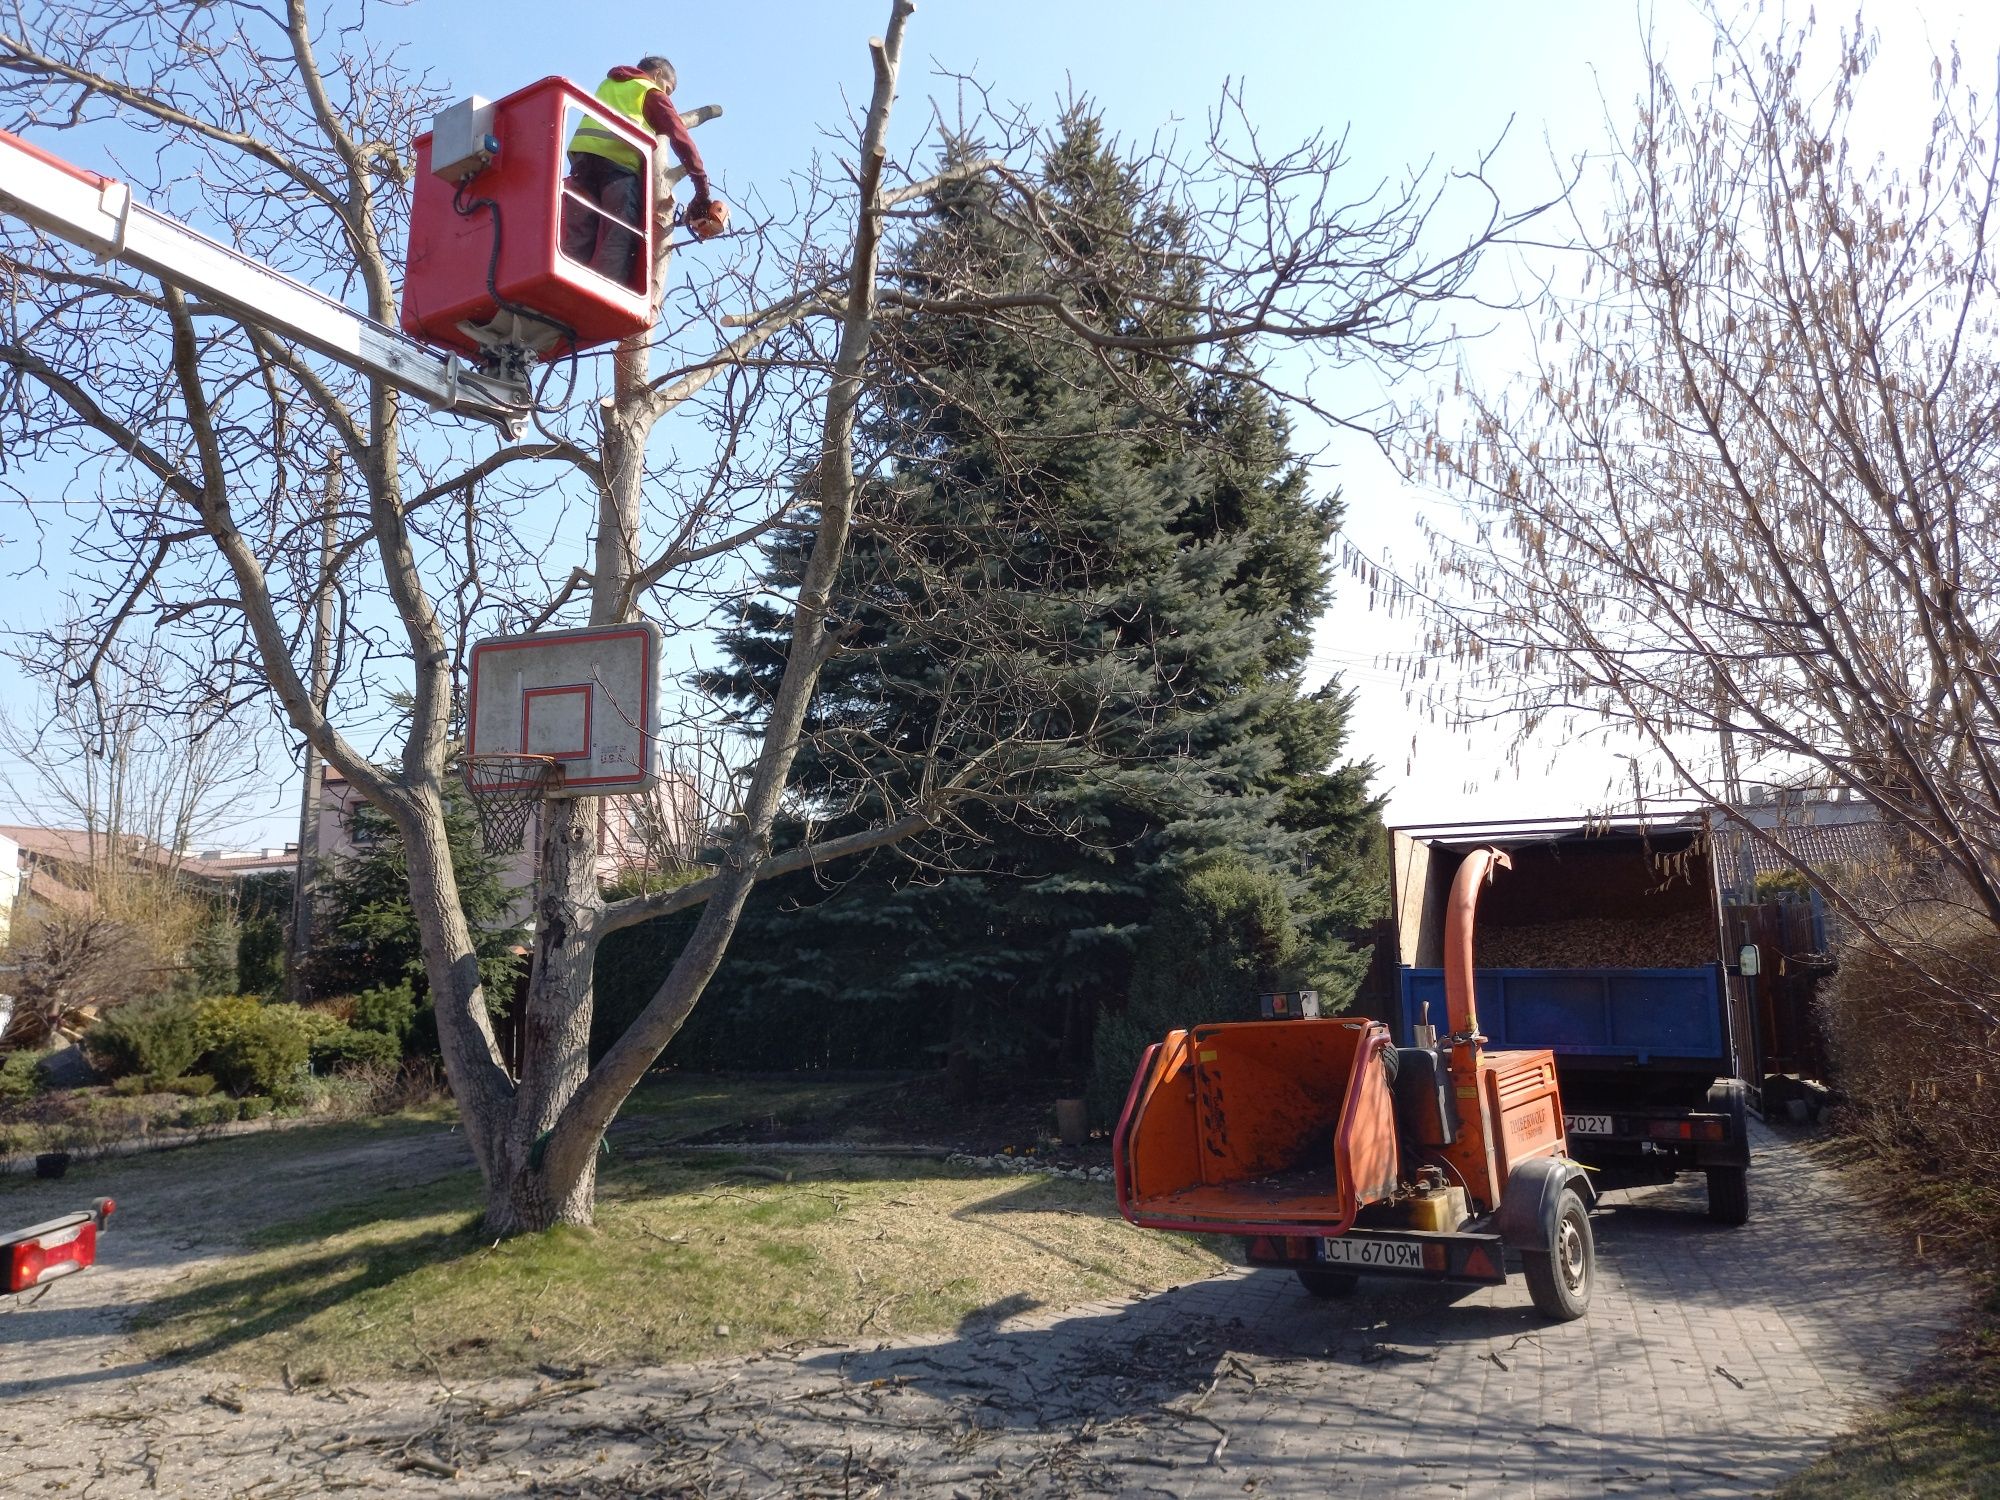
1259 1127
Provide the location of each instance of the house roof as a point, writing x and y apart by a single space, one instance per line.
1816 846
44 886
76 845
229 866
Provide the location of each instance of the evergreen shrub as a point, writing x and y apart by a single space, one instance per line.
19 1079
353 1047
389 1009
1222 934
157 1040
265 1054
217 1018
197 1113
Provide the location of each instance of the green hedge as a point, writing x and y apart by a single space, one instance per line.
242 1043
751 1020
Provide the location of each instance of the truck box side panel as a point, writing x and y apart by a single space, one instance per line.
1638 1015
1418 890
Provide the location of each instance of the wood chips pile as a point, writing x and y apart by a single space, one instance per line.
1673 940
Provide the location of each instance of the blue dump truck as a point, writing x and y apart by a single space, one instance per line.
1604 945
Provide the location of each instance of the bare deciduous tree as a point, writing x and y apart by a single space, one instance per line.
123 749
200 438
1745 507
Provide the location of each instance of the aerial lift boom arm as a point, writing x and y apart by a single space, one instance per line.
101 215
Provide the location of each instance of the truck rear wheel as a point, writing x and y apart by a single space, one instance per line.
1325 1284
1729 1195
1559 1277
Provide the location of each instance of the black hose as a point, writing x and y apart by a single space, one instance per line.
465 208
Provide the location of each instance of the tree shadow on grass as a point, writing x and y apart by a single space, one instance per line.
257 1303
275 1298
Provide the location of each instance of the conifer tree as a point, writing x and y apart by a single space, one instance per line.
1153 601
373 940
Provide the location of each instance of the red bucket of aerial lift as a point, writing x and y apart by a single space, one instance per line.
509 230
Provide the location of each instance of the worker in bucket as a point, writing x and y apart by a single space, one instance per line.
605 170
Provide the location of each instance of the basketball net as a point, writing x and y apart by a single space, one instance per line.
506 790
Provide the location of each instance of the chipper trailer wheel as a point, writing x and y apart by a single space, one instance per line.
1559 1277
1325 1284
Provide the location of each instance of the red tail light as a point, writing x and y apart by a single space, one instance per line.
47 1251
1688 1130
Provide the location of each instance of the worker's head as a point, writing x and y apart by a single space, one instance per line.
660 71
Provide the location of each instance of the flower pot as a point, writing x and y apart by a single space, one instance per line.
51 1163
1072 1122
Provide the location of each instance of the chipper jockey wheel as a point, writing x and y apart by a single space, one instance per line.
1559 1277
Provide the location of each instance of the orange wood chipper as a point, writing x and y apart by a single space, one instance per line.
1335 1153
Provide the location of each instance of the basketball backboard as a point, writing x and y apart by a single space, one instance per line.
590 698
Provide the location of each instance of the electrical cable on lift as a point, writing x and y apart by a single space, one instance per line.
465 207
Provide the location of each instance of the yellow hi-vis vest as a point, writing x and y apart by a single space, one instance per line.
628 97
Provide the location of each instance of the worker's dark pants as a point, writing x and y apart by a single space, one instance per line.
608 241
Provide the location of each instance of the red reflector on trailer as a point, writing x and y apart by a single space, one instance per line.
32 1262
1670 1130
1479 1262
1710 1130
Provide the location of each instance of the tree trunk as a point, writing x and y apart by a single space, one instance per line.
465 1032
555 1049
526 1200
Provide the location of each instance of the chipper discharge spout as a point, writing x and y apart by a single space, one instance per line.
1334 1153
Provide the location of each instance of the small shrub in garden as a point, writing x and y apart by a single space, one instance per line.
347 1096
132 1085
391 1010
198 1113
255 1107
417 1084
318 1025
350 1048
189 1085
218 1018
18 1078
1912 1053
161 1039
266 1054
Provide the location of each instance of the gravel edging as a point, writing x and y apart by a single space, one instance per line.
170 1140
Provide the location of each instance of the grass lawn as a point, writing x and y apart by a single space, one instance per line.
692 1256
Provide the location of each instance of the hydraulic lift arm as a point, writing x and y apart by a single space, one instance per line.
100 214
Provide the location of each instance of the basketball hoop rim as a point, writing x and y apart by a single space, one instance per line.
547 780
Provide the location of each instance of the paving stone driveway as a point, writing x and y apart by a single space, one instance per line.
1712 1362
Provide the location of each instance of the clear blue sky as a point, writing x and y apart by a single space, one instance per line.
1408 83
